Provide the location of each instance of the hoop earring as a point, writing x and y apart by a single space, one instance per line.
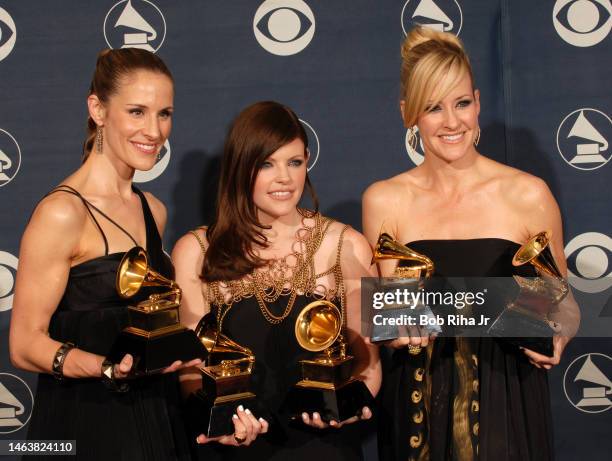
477 140
99 139
412 139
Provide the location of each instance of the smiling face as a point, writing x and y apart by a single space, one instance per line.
448 128
137 119
280 182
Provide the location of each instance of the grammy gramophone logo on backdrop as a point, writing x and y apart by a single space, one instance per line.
284 27
16 403
582 22
588 262
8 33
314 145
587 383
583 139
159 167
442 15
8 270
135 24
10 157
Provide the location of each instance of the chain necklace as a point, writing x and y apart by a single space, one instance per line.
277 278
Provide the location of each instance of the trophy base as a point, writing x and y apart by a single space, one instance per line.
213 416
332 403
523 329
155 350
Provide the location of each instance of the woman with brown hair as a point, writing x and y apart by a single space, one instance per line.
469 214
259 263
67 312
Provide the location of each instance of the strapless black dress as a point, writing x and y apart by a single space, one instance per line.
141 424
511 419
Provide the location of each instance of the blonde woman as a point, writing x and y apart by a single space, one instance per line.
469 214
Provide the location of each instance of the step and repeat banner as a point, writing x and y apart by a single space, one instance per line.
543 69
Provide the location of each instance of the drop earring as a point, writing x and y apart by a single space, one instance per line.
412 138
99 139
477 140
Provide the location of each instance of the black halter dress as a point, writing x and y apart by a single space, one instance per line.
141 424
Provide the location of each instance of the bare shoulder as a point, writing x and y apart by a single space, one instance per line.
188 247
353 242
524 189
390 190
58 213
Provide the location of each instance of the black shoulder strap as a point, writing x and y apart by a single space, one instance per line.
71 190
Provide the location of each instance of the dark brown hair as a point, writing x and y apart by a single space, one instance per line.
258 131
111 67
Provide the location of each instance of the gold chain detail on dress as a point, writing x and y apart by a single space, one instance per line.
278 277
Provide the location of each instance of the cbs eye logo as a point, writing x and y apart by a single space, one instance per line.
284 27
159 167
582 22
10 157
8 270
8 34
588 262
416 155
442 15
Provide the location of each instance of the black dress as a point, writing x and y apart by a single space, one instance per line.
510 416
276 370
141 424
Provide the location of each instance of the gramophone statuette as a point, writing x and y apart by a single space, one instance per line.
327 385
524 322
154 336
226 381
411 275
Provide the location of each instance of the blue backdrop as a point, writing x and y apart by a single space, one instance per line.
541 67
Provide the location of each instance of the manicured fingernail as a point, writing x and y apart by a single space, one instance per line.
261 420
304 416
315 416
240 408
234 416
332 423
247 411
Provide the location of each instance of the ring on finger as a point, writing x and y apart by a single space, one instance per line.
414 350
239 440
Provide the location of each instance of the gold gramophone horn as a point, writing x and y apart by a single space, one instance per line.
134 273
216 343
537 252
387 248
318 326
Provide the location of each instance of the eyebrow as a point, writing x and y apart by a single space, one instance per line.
142 106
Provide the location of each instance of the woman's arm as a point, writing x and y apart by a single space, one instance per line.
542 213
355 262
49 244
187 257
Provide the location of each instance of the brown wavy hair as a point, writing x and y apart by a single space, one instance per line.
258 131
111 67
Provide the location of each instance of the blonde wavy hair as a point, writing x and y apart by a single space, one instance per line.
433 63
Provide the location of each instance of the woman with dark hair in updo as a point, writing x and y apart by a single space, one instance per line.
462 398
259 263
67 312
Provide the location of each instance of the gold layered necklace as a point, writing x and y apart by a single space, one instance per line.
278 277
